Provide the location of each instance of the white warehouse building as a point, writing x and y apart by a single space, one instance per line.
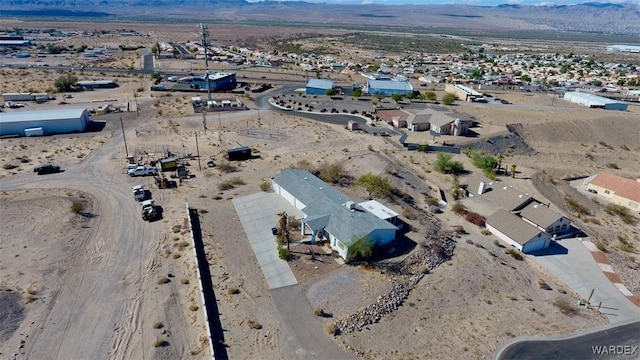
594 101
41 122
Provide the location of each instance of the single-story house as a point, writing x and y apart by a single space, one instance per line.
478 185
619 190
545 219
330 214
418 122
508 198
516 232
446 124
399 121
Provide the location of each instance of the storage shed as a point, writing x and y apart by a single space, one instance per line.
318 86
352 125
239 153
168 164
51 121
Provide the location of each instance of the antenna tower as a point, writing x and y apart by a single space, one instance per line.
205 44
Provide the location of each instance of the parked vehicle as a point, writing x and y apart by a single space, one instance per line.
46 169
592 191
150 210
143 171
172 78
139 193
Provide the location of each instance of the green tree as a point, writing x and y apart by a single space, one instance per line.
444 164
500 158
357 92
155 49
396 97
431 96
375 185
65 83
448 98
513 171
526 78
361 248
596 82
330 92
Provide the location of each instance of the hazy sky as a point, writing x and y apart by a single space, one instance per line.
469 2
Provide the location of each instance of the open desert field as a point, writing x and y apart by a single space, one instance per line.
83 276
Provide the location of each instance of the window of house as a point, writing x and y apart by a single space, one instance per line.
607 192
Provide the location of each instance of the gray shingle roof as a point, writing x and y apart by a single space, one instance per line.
540 214
322 200
508 198
513 226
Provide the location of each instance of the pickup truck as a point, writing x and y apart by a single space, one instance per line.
143 171
138 192
149 210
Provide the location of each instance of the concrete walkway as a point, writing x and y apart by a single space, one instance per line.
578 269
258 213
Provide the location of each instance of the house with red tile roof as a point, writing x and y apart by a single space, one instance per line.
617 189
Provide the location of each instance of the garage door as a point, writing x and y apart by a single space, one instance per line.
535 245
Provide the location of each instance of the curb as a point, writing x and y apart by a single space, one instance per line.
607 269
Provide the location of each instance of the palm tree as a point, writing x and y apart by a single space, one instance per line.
500 158
513 171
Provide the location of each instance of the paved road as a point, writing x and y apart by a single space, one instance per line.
611 342
579 271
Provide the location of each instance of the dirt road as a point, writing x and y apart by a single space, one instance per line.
107 298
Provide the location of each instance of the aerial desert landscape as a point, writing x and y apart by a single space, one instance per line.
83 276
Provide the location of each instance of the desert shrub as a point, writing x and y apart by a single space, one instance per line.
459 209
233 291
475 218
162 280
176 256
332 329
182 244
184 281
160 343
408 213
613 166
601 246
515 254
77 207
158 325
265 186
486 233
331 172
193 307
226 167
284 254
621 211
255 325
543 285
321 313
565 306
577 207
444 164
9 166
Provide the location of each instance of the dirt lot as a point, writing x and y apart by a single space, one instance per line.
102 282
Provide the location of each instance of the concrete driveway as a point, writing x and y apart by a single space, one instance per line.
579 271
258 213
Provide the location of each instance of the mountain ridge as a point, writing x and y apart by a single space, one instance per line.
618 18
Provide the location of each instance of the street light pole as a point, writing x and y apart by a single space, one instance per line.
204 121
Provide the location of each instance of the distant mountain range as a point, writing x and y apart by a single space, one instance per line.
617 18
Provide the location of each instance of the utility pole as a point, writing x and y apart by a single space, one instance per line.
205 44
219 128
198 151
124 138
204 121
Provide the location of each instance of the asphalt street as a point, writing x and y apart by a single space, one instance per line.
617 342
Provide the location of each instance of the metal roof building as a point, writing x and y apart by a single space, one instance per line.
388 87
318 86
49 121
594 101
